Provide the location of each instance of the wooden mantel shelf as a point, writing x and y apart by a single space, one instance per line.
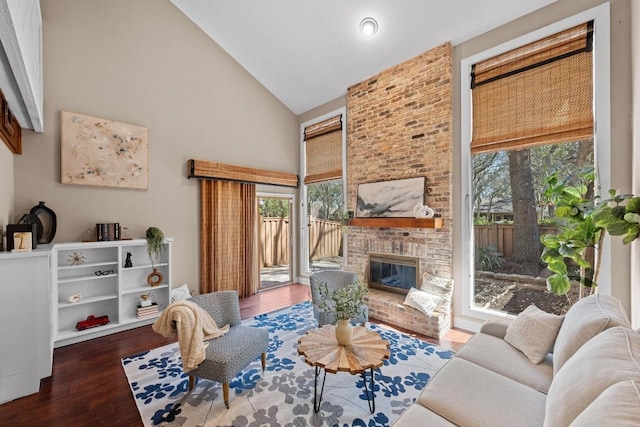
397 222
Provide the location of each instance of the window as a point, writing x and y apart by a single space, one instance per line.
522 128
323 192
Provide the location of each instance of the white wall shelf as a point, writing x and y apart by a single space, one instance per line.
114 294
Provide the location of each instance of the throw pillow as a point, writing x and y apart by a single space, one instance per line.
441 287
180 293
534 332
421 300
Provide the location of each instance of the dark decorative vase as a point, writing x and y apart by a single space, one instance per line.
48 221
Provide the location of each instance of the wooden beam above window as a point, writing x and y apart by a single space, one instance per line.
203 169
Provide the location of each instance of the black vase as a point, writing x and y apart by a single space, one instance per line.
48 219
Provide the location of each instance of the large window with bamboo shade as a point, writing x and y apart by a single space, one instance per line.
322 147
530 126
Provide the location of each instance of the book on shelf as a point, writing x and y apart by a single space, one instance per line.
146 316
147 311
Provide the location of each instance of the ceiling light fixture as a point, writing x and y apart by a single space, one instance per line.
368 26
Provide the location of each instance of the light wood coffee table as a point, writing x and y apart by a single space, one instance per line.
366 352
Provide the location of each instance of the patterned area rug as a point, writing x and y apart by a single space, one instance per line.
283 394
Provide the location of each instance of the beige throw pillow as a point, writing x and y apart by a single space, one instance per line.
534 332
421 300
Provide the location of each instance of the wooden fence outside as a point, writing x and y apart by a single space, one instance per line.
501 236
326 239
275 234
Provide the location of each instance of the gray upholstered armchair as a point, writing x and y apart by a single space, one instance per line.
229 354
334 279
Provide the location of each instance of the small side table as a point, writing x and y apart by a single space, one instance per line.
366 352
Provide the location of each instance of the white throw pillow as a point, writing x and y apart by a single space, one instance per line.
422 300
441 287
534 332
180 293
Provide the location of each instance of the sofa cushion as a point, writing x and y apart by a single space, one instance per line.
422 301
500 357
534 332
618 405
469 395
418 415
584 320
496 327
610 357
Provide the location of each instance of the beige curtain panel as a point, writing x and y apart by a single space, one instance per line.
323 146
537 94
229 243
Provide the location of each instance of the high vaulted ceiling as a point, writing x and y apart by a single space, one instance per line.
308 52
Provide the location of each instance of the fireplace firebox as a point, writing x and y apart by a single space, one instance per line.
395 273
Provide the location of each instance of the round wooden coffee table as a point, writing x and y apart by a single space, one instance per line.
366 352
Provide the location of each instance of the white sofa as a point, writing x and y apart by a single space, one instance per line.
591 378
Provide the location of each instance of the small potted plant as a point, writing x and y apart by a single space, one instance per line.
344 303
155 248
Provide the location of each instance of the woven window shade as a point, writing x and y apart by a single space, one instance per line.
537 94
228 237
323 146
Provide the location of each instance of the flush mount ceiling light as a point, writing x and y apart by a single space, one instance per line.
368 26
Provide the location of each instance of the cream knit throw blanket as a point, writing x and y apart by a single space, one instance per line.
194 327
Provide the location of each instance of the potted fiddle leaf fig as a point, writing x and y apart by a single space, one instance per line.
583 225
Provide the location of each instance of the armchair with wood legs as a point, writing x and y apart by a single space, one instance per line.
229 354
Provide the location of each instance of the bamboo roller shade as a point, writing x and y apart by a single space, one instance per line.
537 94
204 169
323 147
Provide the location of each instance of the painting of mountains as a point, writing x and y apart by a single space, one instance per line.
395 198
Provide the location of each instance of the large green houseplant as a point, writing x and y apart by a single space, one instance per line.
583 225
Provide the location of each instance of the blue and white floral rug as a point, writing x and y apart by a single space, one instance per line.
283 394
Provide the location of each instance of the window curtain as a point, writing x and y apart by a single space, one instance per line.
323 147
537 94
229 240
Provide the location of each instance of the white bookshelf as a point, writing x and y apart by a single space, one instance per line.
114 291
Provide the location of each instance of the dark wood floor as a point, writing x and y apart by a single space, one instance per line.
88 386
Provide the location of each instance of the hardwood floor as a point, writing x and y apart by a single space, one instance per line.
89 388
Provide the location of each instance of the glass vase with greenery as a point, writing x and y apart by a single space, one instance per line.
344 303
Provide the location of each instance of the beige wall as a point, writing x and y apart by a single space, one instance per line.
6 187
143 62
620 117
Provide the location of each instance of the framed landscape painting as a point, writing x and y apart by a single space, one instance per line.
395 198
103 152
